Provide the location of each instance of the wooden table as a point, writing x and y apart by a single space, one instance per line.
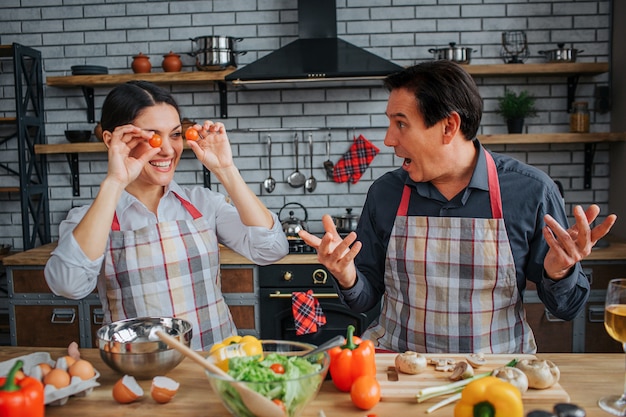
586 377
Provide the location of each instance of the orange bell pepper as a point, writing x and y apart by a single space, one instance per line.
352 360
23 398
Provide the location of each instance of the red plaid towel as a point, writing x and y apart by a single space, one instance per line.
307 312
355 161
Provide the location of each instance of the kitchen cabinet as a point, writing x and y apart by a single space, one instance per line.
29 131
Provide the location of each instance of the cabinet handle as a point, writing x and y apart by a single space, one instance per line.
596 314
63 316
551 317
98 316
278 294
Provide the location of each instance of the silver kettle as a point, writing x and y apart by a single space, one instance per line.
293 225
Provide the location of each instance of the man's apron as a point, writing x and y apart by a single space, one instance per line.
450 284
168 269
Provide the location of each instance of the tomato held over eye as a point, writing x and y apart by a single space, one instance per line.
277 368
155 141
192 134
365 392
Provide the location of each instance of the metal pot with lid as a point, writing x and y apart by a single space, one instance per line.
561 54
292 225
347 222
203 43
458 54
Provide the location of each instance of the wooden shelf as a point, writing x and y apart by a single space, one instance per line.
562 69
184 77
9 189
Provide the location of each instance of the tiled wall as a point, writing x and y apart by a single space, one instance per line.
74 32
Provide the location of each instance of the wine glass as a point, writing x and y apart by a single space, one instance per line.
615 324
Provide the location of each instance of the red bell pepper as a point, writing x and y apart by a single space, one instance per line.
23 398
352 360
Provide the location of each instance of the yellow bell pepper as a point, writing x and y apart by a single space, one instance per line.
490 397
232 346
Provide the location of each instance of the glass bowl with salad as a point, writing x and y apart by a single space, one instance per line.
279 373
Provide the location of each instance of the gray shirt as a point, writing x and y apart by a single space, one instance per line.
527 195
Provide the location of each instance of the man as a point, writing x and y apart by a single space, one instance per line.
449 239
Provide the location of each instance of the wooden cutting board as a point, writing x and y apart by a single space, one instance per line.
406 387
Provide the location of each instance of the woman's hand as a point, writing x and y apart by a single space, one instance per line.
335 253
129 152
213 148
574 244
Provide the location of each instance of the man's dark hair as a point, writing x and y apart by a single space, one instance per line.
441 87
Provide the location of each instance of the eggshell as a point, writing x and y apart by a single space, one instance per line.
126 390
163 389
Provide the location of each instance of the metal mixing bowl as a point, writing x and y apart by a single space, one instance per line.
132 347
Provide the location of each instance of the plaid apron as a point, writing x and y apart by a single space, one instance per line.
168 269
451 286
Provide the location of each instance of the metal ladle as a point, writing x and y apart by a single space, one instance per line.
311 182
270 183
296 179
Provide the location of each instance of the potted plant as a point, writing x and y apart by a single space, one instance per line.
514 108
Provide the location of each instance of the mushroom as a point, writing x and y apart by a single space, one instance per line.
476 359
541 373
462 370
513 376
411 363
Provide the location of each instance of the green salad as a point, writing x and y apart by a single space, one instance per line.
287 387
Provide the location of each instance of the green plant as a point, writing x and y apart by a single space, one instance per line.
516 106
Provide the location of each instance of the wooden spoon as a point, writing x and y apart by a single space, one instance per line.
258 404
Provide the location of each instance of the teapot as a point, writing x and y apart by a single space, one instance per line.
293 225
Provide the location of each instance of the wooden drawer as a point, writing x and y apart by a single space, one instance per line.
237 280
597 340
551 334
55 325
240 289
29 281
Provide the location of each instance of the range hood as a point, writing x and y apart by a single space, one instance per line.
317 58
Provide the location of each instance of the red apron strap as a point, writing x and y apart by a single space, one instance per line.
115 225
494 187
494 191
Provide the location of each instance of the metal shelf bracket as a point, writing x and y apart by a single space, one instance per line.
590 151
572 83
223 99
72 159
89 98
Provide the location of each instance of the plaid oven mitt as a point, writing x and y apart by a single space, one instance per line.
307 312
355 161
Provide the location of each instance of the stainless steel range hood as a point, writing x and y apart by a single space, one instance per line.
317 58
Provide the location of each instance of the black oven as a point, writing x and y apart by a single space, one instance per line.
277 282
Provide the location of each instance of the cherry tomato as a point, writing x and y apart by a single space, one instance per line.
192 134
155 141
280 404
277 368
365 392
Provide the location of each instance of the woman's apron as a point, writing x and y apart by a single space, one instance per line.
450 284
168 269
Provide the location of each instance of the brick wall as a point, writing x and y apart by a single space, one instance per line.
88 32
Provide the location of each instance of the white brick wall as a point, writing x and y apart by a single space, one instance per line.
89 32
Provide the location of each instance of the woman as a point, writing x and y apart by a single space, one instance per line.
149 245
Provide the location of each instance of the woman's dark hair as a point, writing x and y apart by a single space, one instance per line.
126 101
441 87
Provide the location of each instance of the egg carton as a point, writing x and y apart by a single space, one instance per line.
52 396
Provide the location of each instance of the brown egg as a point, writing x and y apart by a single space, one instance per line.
82 369
126 390
58 378
163 389
45 369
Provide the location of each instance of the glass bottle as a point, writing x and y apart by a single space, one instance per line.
579 117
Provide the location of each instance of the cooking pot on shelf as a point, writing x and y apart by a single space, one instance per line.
561 54
216 59
458 54
202 43
347 222
293 225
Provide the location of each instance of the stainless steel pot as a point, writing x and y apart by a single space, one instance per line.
216 59
202 43
347 222
458 54
293 225
561 54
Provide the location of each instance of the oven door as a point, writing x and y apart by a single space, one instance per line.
277 316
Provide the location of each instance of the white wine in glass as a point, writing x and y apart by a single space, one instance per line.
615 324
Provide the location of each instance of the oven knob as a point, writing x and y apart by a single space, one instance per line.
287 276
320 276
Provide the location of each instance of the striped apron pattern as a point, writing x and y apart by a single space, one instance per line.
168 269
450 285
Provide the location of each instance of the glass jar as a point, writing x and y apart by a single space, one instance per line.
579 117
